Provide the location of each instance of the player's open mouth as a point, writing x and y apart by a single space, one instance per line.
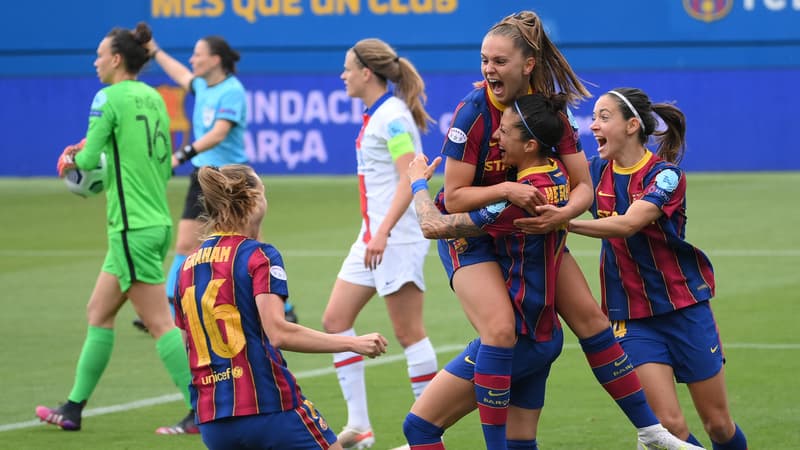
601 142
495 85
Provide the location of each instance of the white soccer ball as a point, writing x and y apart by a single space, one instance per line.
87 182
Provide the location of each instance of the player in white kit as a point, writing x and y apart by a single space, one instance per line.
388 256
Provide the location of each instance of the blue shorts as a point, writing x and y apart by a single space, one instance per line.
457 253
530 367
686 339
302 428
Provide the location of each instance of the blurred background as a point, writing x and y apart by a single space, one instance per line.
731 65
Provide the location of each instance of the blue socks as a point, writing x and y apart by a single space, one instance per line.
419 431
737 442
493 392
614 370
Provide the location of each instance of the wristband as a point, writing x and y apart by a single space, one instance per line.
186 153
419 185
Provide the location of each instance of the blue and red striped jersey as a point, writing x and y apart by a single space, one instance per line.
529 262
656 270
469 139
235 369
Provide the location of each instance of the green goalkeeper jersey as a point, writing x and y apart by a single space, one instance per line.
128 122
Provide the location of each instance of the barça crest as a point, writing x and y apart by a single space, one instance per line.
708 10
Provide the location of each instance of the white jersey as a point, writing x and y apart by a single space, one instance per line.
377 175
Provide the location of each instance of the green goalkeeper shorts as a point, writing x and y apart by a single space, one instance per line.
138 255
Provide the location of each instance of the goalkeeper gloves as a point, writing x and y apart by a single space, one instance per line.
67 159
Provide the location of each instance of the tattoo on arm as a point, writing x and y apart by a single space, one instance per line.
436 225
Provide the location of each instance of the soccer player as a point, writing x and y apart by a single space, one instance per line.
219 123
656 286
526 136
517 57
388 255
230 304
128 122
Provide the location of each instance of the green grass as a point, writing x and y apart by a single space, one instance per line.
54 242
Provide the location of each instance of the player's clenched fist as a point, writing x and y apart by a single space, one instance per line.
372 345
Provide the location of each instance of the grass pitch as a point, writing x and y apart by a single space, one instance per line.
54 242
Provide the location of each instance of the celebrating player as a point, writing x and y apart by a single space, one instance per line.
517 57
126 116
656 286
230 303
388 255
219 123
526 137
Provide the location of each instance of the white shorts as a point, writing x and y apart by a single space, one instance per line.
401 264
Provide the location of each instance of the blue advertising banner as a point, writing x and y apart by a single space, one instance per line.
48 37
56 24
306 124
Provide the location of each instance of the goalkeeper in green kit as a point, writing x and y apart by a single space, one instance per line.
128 122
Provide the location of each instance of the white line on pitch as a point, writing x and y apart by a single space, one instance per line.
99 411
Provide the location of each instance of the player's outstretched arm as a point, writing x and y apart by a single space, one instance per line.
640 214
433 223
297 338
179 73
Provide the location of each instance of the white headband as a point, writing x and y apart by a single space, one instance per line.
630 106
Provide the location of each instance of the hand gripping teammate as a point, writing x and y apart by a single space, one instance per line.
529 263
517 58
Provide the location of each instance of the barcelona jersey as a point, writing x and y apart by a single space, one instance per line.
235 369
656 270
469 139
529 262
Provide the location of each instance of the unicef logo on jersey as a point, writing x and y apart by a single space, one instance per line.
208 117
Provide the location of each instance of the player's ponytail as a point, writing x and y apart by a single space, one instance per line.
671 141
217 45
379 57
551 71
540 118
130 45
